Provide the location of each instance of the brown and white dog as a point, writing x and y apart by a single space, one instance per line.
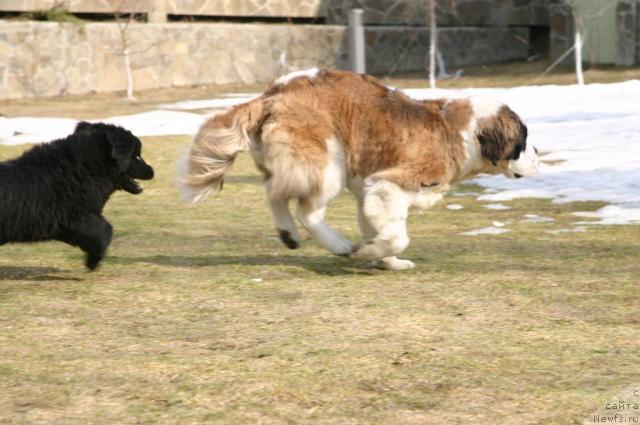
313 133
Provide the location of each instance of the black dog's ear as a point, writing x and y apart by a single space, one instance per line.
83 127
121 147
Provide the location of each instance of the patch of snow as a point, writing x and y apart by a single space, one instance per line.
611 214
463 194
14 131
454 207
224 102
572 230
160 123
498 207
534 218
491 230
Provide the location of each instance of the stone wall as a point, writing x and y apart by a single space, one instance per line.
48 59
450 13
405 49
628 32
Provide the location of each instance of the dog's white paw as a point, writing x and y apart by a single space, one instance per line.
341 247
394 263
369 251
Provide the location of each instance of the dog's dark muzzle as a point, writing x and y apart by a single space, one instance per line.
141 170
138 170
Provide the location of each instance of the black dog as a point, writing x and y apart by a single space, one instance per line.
56 191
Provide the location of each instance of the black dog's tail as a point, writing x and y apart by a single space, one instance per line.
215 147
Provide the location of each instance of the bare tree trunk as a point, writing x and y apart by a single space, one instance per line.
578 53
127 67
123 28
433 42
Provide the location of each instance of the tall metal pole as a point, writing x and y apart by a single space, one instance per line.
356 42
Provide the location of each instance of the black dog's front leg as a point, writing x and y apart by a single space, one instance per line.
92 234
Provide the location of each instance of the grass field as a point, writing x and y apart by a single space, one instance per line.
200 315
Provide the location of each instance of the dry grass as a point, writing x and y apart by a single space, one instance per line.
200 315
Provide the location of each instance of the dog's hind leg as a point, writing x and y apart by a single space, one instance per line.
311 213
312 207
91 233
283 222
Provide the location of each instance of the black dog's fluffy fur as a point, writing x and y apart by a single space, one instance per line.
56 191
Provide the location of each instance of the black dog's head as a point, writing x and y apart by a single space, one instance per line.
124 151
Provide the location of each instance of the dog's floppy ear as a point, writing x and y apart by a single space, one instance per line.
121 146
500 134
84 128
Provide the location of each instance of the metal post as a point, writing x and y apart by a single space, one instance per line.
356 42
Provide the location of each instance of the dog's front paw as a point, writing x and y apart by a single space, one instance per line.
92 262
394 263
366 251
343 248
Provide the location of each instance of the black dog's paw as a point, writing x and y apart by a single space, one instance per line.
92 262
288 240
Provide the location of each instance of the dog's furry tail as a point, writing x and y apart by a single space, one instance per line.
215 147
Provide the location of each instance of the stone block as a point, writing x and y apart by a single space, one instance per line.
283 8
627 19
27 5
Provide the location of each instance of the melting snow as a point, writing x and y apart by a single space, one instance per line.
534 218
491 230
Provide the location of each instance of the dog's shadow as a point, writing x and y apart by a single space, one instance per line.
326 265
34 274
